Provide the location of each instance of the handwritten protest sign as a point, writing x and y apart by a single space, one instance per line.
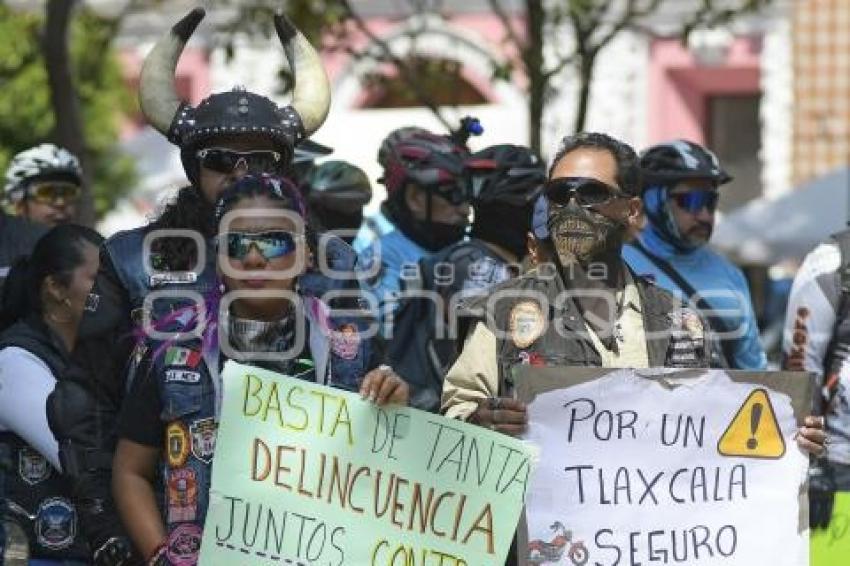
305 474
696 470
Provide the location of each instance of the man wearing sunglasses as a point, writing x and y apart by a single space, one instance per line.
681 183
43 184
427 208
587 308
226 136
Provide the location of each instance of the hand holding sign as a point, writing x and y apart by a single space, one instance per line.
692 470
305 474
811 437
383 386
502 414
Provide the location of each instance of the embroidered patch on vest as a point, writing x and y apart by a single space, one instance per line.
32 466
534 359
178 444
182 495
692 324
182 376
55 523
345 341
172 278
177 356
183 545
203 439
526 323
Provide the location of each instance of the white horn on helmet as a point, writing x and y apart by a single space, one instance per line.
158 99
311 96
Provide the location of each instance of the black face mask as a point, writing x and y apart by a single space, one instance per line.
436 235
579 234
506 227
433 236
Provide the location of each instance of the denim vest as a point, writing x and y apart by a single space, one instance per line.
189 387
126 250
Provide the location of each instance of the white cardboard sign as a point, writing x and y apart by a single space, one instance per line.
635 472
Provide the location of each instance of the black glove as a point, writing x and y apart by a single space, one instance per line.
821 495
117 551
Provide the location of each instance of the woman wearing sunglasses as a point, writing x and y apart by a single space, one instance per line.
681 190
262 319
227 135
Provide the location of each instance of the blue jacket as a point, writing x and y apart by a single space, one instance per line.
387 261
723 285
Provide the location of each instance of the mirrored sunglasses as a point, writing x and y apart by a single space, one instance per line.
53 192
272 244
586 191
694 201
225 161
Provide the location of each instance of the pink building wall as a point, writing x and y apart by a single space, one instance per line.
482 26
680 87
192 79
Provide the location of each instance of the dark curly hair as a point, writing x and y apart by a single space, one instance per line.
628 166
276 188
279 189
189 210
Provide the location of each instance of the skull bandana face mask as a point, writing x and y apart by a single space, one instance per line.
579 234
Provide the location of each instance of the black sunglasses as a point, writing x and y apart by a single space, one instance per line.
586 190
455 193
227 160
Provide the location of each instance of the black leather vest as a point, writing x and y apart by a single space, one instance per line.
31 485
676 336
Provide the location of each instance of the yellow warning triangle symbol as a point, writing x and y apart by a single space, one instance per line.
754 432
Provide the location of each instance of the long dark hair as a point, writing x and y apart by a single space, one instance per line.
58 253
189 210
273 187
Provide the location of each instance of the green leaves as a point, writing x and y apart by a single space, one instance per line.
26 115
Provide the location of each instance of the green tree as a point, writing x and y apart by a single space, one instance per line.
543 37
26 108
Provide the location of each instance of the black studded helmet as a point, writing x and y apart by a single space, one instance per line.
676 160
339 185
238 111
505 174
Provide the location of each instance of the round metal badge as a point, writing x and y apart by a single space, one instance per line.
526 323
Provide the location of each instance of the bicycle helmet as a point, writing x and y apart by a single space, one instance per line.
676 160
505 174
338 185
45 161
416 155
